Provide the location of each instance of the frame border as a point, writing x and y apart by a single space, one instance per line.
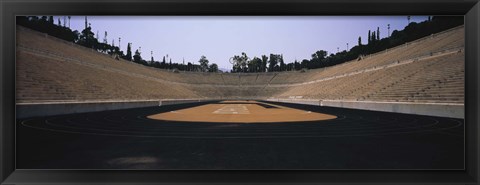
10 8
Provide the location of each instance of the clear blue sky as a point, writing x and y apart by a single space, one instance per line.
221 37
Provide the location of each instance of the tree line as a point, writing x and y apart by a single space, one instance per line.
87 39
243 63
321 59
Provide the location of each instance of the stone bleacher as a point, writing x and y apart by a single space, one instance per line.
428 70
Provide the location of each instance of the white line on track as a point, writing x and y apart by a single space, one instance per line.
232 109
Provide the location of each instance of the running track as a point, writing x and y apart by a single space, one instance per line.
126 139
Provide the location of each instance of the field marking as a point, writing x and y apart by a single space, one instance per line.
232 109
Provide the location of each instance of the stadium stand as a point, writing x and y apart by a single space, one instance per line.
430 69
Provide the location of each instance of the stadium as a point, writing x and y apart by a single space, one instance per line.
400 108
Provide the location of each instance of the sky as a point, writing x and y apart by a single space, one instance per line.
221 37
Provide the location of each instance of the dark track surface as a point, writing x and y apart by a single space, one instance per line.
126 139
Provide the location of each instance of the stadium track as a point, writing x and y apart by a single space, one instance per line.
356 139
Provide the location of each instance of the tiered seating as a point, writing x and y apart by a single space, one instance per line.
231 79
290 77
436 80
265 78
62 80
200 78
433 80
30 39
247 79
49 69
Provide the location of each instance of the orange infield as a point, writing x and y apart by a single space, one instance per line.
241 112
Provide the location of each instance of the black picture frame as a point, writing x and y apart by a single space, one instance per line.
9 9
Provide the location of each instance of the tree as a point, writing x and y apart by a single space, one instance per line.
378 33
156 64
254 65
240 63
264 63
75 36
272 63
305 63
129 52
137 58
44 19
213 68
317 58
189 67
236 65
369 37
282 63
243 62
164 63
203 63
359 41
50 20
373 37
87 38
321 54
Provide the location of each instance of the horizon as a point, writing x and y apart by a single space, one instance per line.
187 38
